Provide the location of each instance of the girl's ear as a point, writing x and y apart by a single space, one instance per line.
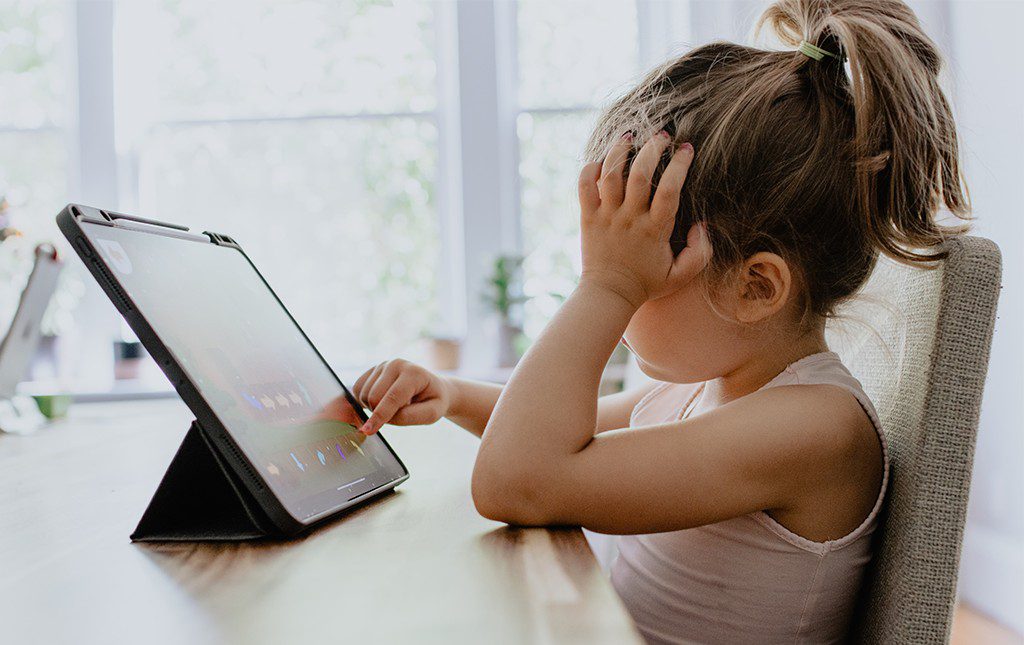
763 285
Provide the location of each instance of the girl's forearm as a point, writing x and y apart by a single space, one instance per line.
548 409
472 403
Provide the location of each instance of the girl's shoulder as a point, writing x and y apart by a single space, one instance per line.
833 409
827 369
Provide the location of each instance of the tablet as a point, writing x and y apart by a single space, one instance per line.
260 390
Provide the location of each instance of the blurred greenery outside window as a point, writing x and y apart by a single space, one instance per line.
573 57
35 93
306 130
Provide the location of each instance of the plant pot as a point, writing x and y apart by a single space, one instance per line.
444 353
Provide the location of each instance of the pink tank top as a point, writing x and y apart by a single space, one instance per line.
747 579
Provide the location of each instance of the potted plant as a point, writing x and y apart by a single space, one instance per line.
505 296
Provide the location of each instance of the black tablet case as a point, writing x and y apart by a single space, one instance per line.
201 498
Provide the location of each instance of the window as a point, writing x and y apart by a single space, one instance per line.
308 131
571 60
33 120
325 136
35 90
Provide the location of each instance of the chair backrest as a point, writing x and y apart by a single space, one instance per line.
918 340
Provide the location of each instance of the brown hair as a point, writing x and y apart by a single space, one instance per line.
824 166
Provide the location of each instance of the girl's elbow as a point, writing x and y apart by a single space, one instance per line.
492 507
510 497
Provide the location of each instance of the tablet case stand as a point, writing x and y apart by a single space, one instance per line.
200 498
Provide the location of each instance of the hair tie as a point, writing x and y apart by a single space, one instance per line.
813 51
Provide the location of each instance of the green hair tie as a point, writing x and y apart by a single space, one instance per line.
813 51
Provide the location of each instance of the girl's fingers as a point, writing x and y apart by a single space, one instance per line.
357 387
695 256
397 395
666 199
641 173
375 391
365 382
590 196
611 185
416 414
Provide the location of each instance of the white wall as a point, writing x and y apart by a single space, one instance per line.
988 72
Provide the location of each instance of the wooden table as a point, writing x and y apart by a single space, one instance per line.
419 565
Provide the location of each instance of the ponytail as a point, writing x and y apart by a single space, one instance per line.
904 142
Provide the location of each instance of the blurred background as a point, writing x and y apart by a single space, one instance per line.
404 175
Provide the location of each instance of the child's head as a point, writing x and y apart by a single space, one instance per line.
805 170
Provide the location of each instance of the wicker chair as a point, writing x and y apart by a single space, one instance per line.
922 355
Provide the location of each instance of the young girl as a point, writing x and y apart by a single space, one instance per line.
748 479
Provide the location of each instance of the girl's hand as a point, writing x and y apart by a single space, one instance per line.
626 233
402 393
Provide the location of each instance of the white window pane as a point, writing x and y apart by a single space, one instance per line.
33 180
551 147
33 81
33 177
338 214
33 103
195 59
35 100
575 52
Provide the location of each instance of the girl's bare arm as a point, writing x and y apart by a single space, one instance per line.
403 393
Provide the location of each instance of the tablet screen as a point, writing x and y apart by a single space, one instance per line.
265 382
